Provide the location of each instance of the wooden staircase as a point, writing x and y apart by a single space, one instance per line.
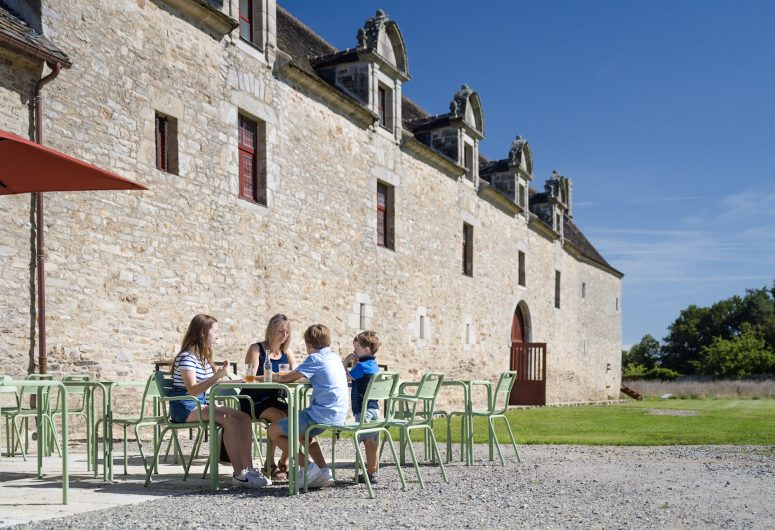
630 392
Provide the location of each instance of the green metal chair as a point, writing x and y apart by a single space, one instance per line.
381 387
83 396
163 384
409 418
7 410
23 414
147 417
497 409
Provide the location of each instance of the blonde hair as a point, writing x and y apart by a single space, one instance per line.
318 336
272 326
195 339
368 339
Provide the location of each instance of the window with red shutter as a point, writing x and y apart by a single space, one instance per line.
252 160
166 143
246 20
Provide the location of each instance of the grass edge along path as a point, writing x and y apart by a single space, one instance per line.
647 422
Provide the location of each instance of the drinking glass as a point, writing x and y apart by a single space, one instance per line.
250 372
284 367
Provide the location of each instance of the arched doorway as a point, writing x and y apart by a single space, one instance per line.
528 359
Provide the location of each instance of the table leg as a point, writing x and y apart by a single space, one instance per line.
214 451
65 456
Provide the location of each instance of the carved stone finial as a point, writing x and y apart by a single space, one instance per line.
453 110
361 36
515 153
380 13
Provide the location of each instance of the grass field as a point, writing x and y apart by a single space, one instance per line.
647 422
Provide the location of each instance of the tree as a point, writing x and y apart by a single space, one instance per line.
741 356
647 352
684 340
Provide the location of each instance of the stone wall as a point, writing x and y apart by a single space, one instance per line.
126 271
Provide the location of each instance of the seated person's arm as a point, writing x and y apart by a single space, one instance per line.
194 388
288 377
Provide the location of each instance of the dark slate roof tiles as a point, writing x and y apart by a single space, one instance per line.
27 39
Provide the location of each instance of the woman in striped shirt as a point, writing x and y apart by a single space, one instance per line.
193 374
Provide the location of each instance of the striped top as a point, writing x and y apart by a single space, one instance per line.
190 361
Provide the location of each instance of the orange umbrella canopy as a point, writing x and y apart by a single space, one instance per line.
27 167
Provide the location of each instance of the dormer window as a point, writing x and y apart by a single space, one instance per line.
468 157
246 20
385 107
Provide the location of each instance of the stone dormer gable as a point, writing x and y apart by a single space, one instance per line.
467 105
455 134
373 71
554 205
511 176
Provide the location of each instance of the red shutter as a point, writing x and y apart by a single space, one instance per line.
247 158
246 20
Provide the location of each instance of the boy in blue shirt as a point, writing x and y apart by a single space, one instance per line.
365 346
328 379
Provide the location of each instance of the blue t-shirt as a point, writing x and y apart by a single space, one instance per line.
361 375
328 378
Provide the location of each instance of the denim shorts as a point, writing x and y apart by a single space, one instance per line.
305 420
180 410
371 415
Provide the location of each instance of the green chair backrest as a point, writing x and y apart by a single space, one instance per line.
429 386
74 390
45 391
7 389
500 400
381 387
163 386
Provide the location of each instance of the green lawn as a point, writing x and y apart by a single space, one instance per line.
722 421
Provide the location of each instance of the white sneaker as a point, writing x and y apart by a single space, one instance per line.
258 478
323 480
241 480
313 473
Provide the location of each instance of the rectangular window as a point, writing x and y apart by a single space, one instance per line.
557 289
468 249
362 320
246 20
583 289
521 199
385 107
166 143
468 161
385 216
252 160
422 326
521 268
468 333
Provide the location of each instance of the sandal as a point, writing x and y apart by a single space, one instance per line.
279 473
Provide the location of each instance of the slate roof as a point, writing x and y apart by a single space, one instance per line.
16 33
307 48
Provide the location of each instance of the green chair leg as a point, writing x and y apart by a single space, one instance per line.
435 451
491 424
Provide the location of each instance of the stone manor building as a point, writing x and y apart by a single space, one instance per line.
284 175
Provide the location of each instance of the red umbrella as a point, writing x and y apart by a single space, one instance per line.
27 167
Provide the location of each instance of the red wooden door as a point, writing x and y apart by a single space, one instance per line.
518 327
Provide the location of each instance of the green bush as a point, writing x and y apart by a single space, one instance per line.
665 374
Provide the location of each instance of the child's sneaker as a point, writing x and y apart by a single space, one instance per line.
247 479
312 471
324 479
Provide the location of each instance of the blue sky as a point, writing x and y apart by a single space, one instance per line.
662 113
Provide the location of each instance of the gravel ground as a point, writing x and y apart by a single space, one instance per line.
554 487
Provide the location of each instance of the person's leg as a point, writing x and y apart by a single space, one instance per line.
273 415
371 446
236 434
